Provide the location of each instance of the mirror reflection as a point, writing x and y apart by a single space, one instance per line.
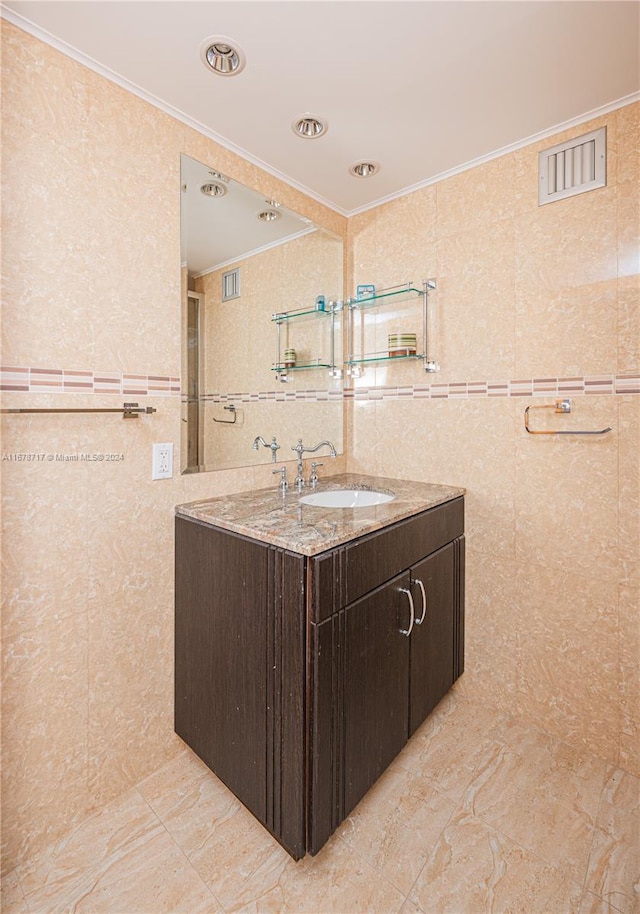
261 337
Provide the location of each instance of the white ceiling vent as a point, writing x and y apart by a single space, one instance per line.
573 167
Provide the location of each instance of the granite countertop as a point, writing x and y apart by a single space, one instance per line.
268 516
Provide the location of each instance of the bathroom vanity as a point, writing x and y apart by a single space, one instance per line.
312 642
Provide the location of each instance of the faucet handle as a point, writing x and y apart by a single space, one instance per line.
283 478
313 479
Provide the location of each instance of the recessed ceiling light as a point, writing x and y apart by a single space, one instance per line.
269 215
222 56
213 189
273 204
364 169
309 127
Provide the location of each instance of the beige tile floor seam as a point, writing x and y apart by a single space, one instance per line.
218 906
441 831
119 861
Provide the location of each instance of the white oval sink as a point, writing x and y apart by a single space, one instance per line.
346 498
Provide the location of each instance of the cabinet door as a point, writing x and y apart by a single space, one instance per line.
376 656
432 642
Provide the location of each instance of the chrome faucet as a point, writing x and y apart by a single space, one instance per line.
300 449
275 447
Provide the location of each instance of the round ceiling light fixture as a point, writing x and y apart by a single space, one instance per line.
223 56
269 215
213 189
309 127
364 169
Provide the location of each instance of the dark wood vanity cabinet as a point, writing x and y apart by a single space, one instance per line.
240 646
299 679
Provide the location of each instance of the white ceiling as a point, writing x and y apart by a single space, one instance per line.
422 87
217 231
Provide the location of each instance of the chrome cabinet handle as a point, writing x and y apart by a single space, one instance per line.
408 631
424 602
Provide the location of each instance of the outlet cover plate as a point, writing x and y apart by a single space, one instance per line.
162 462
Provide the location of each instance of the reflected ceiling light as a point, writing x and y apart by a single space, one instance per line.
309 127
269 215
223 56
364 169
213 189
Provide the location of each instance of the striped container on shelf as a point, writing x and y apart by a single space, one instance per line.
402 344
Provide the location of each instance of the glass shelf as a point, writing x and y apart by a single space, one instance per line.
282 316
395 293
301 366
382 357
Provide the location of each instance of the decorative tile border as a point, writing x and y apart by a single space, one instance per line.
278 396
628 384
530 387
62 380
457 390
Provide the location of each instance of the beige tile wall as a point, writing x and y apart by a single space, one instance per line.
91 269
284 278
92 280
553 607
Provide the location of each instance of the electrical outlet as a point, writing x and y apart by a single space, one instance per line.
162 463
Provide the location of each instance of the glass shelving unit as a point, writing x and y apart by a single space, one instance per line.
385 297
283 319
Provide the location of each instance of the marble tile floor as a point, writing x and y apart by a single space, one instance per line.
477 814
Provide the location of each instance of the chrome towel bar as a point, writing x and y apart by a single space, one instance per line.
128 410
560 406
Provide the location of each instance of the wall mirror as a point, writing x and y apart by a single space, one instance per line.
246 259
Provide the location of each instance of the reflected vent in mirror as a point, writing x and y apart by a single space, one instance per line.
231 284
573 167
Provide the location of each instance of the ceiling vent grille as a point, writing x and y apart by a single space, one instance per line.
573 167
